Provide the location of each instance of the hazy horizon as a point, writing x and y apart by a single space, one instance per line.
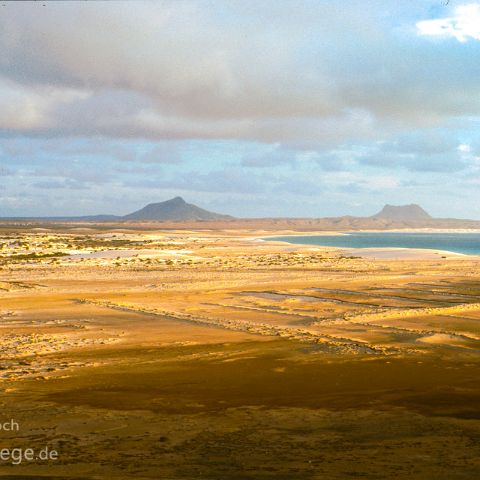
244 108
217 210
121 214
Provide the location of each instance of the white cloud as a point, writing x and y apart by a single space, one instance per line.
464 148
464 24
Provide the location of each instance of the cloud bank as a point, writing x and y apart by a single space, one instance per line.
236 102
212 70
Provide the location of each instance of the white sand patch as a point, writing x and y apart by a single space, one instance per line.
441 339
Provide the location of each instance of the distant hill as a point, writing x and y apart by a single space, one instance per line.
403 212
175 212
175 209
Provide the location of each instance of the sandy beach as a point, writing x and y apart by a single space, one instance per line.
199 347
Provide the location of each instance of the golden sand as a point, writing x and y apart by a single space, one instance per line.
208 354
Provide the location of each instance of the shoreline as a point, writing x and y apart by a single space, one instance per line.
392 230
380 253
405 253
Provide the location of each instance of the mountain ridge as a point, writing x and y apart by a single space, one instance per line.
176 210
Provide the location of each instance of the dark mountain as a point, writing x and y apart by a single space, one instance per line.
175 209
403 212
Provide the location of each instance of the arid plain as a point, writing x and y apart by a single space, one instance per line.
141 352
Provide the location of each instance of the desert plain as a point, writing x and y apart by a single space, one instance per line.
137 351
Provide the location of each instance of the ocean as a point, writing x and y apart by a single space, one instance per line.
466 243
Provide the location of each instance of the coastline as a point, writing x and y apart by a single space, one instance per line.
393 253
381 253
369 230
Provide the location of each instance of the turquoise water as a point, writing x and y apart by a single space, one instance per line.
466 243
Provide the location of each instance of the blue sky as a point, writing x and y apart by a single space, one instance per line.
272 108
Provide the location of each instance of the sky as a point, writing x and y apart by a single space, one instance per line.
251 108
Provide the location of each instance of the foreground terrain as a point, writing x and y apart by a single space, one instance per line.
184 354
